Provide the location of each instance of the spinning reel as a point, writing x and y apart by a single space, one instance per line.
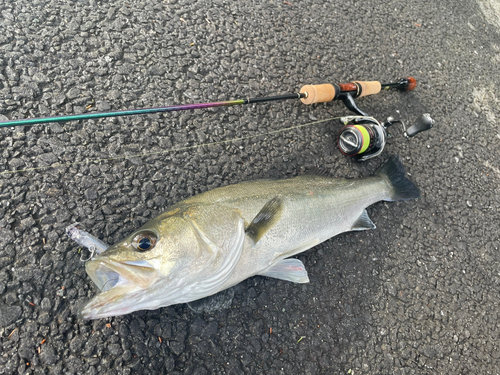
363 137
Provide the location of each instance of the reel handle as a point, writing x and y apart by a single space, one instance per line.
423 123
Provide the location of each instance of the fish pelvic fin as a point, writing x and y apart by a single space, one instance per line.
364 222
394 173
289 270
265 219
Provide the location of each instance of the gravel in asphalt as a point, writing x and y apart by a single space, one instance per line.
418 295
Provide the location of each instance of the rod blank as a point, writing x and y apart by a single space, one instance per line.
309 94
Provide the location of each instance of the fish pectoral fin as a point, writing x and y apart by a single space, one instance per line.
289 270
363 223
265 219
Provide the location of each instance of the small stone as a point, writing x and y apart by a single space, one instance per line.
48 158
77 343
114 349
40 78
114 94
90 194
176 347
9 314
16 163
25 351
94 170
429 351
56 128
44 318
149 187
103 106
46 304
48 355
28 272
10 298
73 93
127 355
6 237
28 222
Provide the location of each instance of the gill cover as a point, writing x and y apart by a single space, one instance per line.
197 249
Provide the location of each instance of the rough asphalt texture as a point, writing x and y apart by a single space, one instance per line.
418 295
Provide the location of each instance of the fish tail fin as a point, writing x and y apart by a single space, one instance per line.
394 173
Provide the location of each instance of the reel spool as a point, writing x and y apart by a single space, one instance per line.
362 137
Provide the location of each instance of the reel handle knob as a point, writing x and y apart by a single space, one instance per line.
424 122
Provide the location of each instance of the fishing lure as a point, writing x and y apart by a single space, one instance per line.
86 240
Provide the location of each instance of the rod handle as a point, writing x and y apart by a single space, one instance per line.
318 93
328 92
366 88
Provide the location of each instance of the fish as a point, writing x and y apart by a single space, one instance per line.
214 240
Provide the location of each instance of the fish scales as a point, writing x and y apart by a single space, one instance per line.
314 209
214 240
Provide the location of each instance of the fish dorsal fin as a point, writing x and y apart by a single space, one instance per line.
289 270
265 219
364 222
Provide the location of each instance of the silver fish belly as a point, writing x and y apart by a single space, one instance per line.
216 239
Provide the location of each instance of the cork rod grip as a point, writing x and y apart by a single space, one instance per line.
368 87
318 93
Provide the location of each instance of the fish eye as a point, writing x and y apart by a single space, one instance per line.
144 241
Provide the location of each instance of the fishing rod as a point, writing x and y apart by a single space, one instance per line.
308 95
367 140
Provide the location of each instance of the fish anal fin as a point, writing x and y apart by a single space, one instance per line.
265 219
364 222
289 270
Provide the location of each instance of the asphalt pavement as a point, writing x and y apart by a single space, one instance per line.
417 295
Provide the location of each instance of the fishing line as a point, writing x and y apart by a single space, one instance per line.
88 161
110 280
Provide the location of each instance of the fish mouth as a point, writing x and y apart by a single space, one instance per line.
107 274
119 282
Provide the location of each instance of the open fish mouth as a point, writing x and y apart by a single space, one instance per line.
118 282
107 274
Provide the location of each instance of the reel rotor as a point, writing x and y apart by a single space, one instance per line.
363 137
